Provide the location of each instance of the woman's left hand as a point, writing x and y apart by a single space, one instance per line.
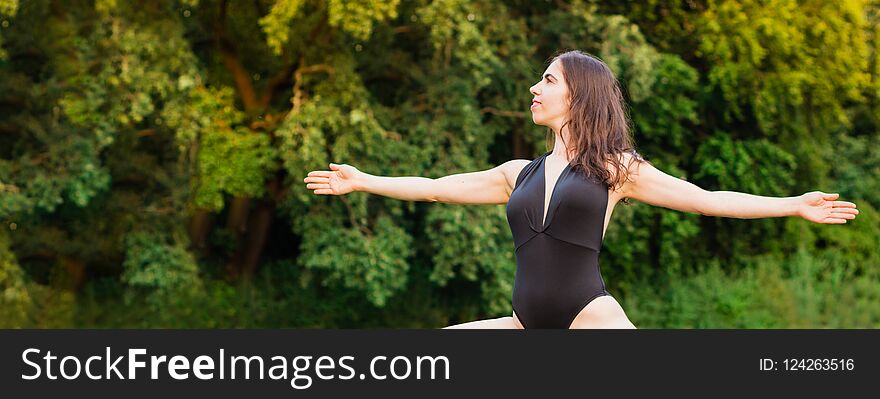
820 207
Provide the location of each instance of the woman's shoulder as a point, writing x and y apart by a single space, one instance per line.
516 169
627 164
629 160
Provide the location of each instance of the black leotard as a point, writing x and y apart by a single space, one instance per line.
557 264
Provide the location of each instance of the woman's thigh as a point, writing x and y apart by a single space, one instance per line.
501 322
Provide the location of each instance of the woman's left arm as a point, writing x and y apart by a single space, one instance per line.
650 185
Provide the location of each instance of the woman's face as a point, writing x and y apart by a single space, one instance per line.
550 102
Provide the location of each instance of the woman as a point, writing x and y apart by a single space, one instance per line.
559 204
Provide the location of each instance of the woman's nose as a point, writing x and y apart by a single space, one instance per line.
533 90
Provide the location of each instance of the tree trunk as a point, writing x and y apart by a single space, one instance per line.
261 224
520 149
199 227
75 273
237 224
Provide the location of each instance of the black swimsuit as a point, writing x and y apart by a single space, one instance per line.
557 264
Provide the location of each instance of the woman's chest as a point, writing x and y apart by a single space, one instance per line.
573 208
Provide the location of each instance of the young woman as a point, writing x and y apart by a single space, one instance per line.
559 204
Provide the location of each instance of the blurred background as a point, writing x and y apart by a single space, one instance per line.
152 155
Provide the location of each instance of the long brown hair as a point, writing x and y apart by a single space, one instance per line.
598 123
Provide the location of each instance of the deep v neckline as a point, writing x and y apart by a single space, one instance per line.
547 205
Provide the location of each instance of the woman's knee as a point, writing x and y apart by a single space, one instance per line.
500 322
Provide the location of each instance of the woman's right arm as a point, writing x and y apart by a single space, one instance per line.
491 186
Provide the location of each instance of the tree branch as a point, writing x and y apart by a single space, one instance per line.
230 57
297 81
273 84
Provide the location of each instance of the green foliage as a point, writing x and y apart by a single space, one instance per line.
455 24
804 290
855 247
481 252
354 18
232 161
14 296
776 57
856 173
33 188
358 18
627 53
756 166
107 82
276 23
373 261
8 8
159 267
663 121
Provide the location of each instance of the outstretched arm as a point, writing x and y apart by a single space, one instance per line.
490 186
652 186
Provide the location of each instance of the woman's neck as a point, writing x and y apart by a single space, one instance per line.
559 150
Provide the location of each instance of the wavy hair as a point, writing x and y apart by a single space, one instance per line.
598 123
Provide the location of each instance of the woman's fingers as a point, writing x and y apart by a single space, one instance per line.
843 204
320 173
319 180
834 221
839 215
318 176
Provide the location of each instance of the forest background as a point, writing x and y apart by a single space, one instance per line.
152 155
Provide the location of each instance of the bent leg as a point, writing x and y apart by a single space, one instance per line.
499 323
624 324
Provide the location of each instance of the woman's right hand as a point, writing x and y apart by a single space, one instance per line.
341 179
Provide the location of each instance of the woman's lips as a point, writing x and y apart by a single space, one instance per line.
534 105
